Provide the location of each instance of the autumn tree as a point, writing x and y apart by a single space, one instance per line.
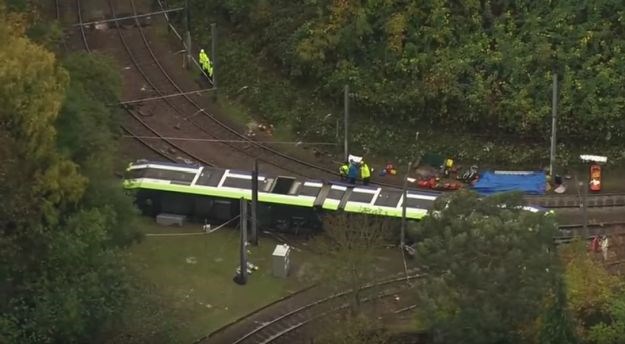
595 297
351 244
492 272
60 273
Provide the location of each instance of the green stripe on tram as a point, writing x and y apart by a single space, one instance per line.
284 199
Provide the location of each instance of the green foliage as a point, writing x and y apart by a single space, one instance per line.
594 294
351 330
479 67
61 218
613 330
492 270
351 242
555 324
87 123
88 127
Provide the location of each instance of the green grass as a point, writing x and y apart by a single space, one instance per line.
186 287
192 275
235 111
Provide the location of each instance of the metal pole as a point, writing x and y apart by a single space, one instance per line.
405 198
254 203
189 59
585 207
346 124
187 24
214 53
337 134
403 207
243 246
554 113
187 15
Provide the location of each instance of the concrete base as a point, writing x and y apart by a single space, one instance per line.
170 219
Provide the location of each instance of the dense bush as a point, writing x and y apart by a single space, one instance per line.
477 67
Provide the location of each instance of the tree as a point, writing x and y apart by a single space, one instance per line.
351 244
611 330
492 271
595 296
426 65
61 276
356 329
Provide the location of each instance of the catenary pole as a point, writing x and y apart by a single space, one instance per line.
585 207
554 113
243 253
403 207
187 34
214 54
405 195
254 219
346 124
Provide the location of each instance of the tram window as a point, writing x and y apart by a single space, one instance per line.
283 185
335 194
388 198
238 183
174 176
360 197
210 177
419 203
309 190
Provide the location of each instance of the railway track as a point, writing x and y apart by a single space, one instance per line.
283 323
153 71
569 232
165 153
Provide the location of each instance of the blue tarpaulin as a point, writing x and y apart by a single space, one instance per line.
529 182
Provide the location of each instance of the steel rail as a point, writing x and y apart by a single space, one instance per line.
134 61
296 326
201 110
82 29
150 81
170 142
154 149
136 16
322 301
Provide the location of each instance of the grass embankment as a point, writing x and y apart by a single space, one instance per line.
192 277
187 281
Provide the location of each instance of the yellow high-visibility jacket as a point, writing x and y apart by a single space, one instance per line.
365 172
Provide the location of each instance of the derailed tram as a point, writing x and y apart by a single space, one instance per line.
284 203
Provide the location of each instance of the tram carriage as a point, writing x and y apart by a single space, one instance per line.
284 203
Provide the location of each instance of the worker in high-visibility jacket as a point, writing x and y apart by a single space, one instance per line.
343 170
365 173
205 63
